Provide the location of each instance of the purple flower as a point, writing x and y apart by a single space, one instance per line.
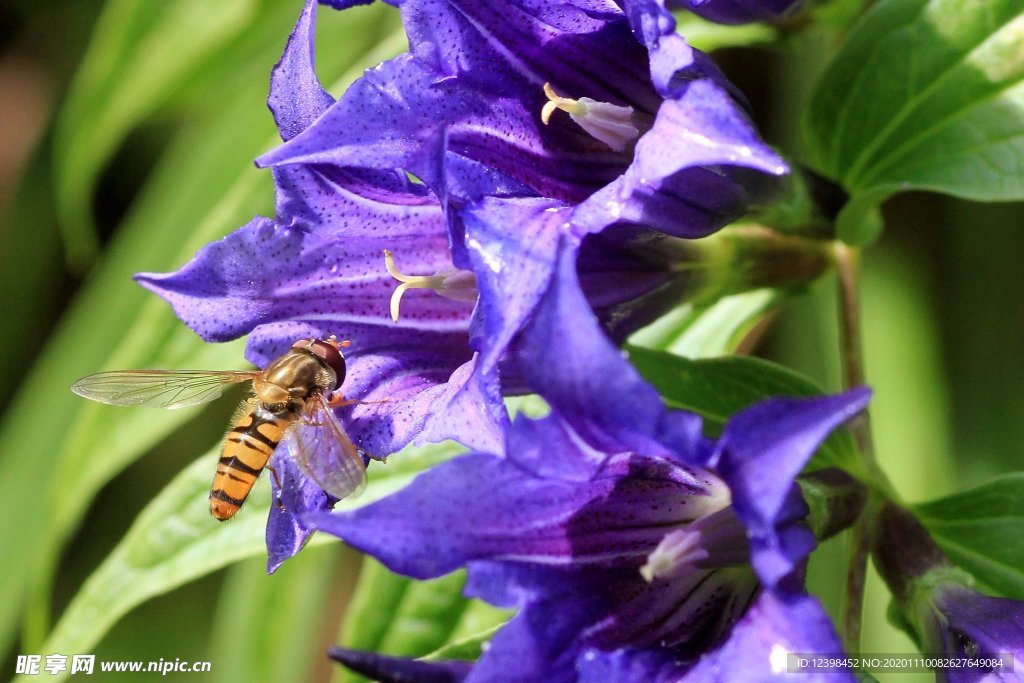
318 268
628 543
961 622
948 617
757 649
650 138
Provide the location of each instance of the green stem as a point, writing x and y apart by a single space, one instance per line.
847 265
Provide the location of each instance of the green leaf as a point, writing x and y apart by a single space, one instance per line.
175 540
203 187
982 530
478 618
404 617
927 95
378 595
712 330
426 615
134 63
469 648
717 388
266 629
707 36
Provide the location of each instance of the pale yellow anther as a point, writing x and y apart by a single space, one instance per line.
459 285
556 101
408 282
610 123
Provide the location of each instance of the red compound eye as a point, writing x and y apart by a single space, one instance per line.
327 350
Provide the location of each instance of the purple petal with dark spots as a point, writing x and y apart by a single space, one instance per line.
756 649
281 283
611 607
679 182
421 530
471 88
296 496
296 96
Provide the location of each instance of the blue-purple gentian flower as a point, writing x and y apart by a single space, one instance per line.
959 622
627 541
499 218
948 617
318 268
537 124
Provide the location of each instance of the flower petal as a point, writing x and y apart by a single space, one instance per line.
565 355
969 625
632 277
759 455
540 643
608 607
686 178
284 283
410 386
266 272
421 531
473 87
297 495
296 96
512 245
651 665
758 647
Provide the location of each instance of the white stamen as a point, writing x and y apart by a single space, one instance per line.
610 123
459 285
676 549
718 539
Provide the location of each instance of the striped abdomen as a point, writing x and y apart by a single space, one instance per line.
248 447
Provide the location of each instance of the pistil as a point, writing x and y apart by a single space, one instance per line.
459 285
711 542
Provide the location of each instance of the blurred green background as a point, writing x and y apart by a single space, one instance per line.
127 130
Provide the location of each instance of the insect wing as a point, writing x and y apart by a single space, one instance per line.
323 451
158 388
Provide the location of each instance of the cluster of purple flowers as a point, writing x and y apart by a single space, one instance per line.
492 213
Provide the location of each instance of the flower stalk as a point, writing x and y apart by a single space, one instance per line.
847 266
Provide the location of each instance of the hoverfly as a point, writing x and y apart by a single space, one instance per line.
291 400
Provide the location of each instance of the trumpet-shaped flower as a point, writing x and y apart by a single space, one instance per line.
327 263
950 619
536 124
624 537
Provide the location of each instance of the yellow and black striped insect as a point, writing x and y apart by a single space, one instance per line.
291 403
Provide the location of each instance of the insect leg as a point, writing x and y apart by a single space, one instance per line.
338 400
277 480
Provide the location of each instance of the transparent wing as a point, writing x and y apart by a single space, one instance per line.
323 451
158 388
